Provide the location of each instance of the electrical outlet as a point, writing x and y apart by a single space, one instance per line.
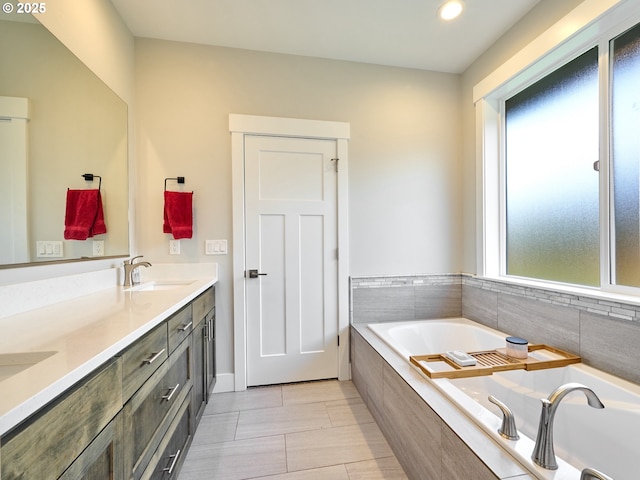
98 248
174 247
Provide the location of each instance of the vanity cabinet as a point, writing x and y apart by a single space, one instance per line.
204 315
65 428
133 417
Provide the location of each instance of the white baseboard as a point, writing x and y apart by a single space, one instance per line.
225 382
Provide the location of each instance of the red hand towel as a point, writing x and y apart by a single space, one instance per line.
83 216
178 214
80 213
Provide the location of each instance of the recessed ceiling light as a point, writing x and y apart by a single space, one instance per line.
451 9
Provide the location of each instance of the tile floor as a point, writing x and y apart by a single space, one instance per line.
309 431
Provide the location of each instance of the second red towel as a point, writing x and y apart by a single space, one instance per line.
178 214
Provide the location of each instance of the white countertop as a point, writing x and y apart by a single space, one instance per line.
84 332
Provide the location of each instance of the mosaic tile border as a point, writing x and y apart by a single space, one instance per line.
385 281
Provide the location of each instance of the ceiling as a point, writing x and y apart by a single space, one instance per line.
402 33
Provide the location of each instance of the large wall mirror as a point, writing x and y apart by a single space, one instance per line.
75 125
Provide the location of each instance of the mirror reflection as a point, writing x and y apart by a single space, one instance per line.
58 121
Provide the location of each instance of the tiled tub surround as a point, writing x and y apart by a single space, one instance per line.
426 431
605 333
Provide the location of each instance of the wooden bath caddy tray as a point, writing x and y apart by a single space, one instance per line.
490 361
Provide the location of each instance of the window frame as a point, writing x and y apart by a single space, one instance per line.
590 24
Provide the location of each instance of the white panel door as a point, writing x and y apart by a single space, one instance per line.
291 243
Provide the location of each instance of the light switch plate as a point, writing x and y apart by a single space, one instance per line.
215 247
50 249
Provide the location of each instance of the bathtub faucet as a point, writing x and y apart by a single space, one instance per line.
543 453
593 474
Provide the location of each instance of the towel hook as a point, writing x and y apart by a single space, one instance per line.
177 179
90 176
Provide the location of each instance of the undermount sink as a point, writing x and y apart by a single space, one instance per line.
13 363
157 285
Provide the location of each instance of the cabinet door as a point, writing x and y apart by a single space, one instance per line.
199 387
102 459
210 353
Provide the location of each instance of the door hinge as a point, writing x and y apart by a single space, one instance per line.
336 160
338 340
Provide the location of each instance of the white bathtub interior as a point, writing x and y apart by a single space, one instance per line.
583 436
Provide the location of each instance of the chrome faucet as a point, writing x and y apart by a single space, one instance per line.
508 429
593 474
129 267
543 453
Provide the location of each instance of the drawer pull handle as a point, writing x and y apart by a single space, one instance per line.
170 468
186 327
173 390
154 357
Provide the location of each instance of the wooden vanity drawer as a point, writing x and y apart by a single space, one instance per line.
180 326
150 409
64 428
143 358
203 304
173 450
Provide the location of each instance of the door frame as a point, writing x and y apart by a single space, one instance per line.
16 110
239 126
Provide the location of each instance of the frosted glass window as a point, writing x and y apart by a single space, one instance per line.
552 219
625 148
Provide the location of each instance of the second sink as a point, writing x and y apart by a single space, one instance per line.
161 285
13 363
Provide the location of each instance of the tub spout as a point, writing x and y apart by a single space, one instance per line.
593 474
508 429
543 452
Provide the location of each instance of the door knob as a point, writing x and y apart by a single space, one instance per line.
255 274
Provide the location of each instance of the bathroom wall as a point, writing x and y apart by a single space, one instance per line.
404 170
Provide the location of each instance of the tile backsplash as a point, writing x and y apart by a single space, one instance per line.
387 299
605 333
